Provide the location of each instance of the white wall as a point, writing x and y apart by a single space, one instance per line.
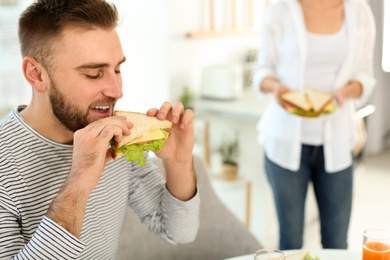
161 60
144 35
14 89
189 56
378 126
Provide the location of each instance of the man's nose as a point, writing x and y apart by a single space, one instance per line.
114 86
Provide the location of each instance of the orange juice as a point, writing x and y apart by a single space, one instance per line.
376 251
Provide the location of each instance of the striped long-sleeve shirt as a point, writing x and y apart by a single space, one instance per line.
33 169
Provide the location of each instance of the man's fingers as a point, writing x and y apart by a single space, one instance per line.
164 110
98 122
175 114
152 112
187 118
109 124
112 131
108 155
167 111
177 111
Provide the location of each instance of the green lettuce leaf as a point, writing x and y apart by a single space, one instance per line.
309 257
135 152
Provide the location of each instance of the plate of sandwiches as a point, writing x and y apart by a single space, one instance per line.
308 103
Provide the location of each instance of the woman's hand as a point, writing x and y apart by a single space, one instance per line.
280 90
351 90
270 84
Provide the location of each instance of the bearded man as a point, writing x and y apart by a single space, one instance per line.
61 194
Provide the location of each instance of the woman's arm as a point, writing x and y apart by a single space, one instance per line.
271 84
353 89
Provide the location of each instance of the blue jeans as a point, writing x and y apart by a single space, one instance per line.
333 193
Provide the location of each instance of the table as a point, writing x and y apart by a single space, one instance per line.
323 254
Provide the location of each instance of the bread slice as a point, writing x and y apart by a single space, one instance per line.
297 98
318 99
142 124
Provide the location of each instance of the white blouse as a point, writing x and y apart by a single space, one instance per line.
325 56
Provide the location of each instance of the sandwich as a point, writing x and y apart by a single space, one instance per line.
147 134
307 102
320 101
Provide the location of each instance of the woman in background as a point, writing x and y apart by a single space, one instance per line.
326 45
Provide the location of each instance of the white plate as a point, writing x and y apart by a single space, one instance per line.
324 254
323 117
332 254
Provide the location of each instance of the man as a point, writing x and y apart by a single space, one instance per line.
61 195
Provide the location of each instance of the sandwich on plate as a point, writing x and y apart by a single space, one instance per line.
307 102
147 134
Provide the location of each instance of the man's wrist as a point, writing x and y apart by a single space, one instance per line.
68 208
181 179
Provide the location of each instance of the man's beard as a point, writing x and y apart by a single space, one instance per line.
67 112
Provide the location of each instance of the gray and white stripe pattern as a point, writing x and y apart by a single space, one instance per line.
33 169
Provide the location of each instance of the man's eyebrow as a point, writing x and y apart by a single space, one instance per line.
97 65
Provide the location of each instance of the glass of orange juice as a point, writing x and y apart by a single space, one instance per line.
376 244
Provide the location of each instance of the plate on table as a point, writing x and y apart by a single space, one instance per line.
327 254
323 254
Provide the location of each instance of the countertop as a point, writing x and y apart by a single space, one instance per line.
247 107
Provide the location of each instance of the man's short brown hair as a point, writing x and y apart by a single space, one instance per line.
44 20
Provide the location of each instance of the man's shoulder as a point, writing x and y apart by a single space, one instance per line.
8 118
10 132
8 128
9 125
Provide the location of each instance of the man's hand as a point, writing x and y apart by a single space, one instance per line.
180 143
177 151
90 155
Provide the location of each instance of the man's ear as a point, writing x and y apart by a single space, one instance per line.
33 72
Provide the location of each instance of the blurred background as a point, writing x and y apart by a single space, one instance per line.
202 52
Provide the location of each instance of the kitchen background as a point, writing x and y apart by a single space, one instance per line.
170 47
163 60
